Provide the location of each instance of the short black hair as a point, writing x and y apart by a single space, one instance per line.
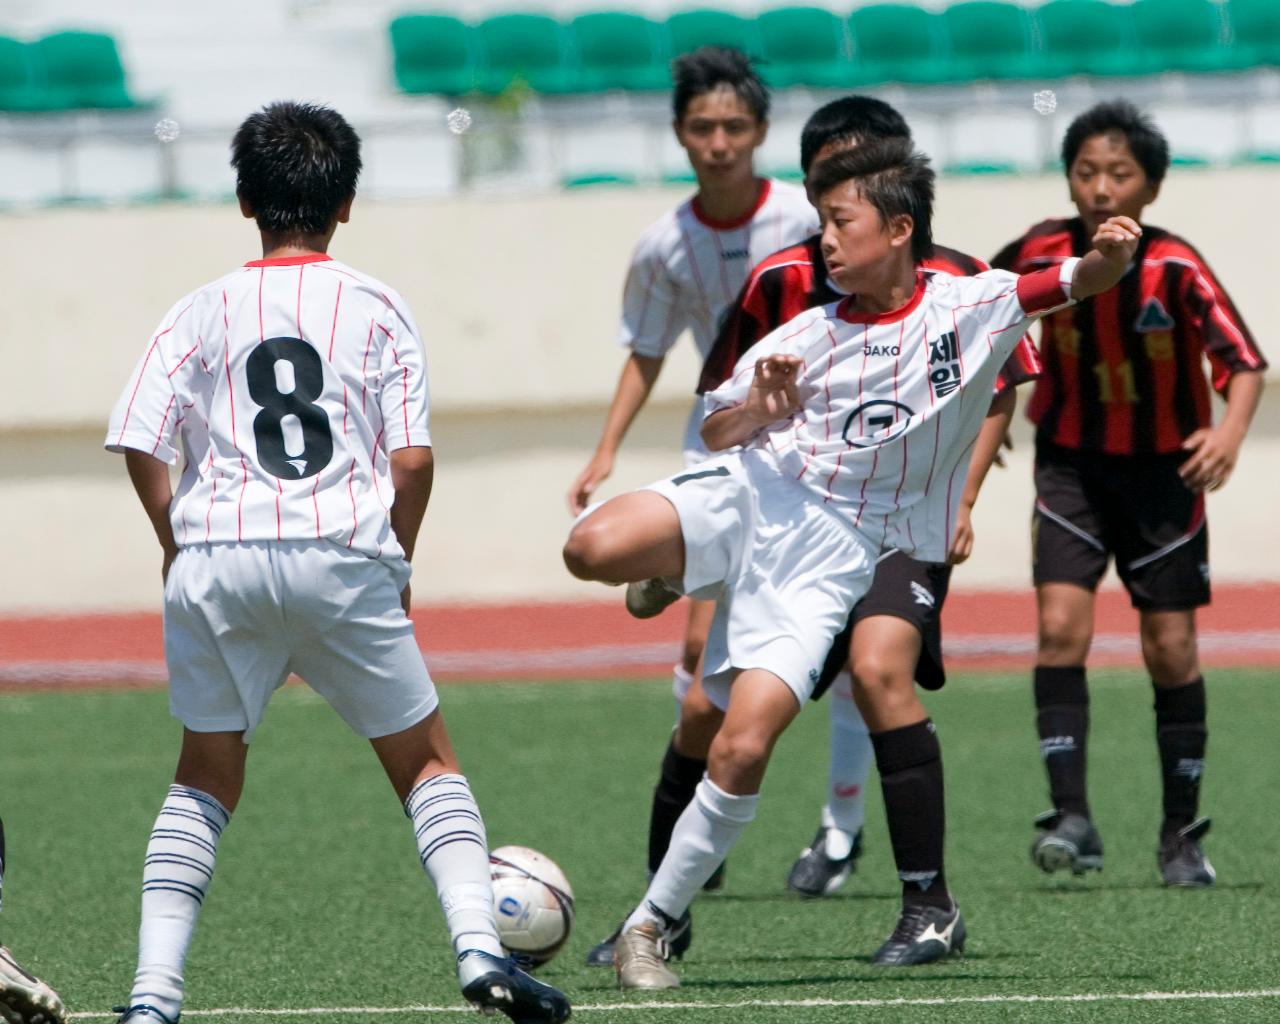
705 69
892 177
850 119
296 163
1146 141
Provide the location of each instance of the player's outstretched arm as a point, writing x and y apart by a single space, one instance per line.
150 479
637 380
772 397
1114 245
1214 450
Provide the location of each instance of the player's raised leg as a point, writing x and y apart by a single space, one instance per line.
761 706
179 866
909 760
635 536
24 998
452 846
1169 651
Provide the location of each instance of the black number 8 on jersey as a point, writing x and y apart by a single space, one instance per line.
292 434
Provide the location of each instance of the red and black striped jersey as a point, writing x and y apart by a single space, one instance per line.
1123 371
784 285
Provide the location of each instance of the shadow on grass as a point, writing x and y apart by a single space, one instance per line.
1068 888
794 900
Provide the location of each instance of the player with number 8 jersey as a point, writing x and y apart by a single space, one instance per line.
295 390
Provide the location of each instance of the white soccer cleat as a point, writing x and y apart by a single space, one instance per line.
24 998
640 958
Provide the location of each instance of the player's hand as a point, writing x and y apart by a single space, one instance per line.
597 471
773 395
1117 239
1214 452
406 598
962 539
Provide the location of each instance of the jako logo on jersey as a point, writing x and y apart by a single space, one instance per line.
922 594
1153 317
884 350
735 254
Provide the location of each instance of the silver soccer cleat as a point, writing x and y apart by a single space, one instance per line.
640 958
649 598
24 998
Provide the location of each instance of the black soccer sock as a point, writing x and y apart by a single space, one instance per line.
1062 716
1181 734
674 792
909 760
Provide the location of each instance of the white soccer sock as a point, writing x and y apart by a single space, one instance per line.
851 759
455 854
175 877
681 681
703 837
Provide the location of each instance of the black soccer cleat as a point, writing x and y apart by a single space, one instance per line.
1182 863
924 934
142 1014
678 942
495 983
816 874
1068 841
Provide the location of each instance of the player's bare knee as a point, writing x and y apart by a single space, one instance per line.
740 751
1063 638
1169 651
588 550
880 677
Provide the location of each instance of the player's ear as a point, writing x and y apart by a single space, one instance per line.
245 208
344 209
901 227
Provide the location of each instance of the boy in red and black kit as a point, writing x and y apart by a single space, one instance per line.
1125 449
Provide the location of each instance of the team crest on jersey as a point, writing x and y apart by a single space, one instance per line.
1153 317
944 364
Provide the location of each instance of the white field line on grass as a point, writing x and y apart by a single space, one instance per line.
607 656
1091 997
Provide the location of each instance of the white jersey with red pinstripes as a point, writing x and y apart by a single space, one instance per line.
893 403
687 269
284 385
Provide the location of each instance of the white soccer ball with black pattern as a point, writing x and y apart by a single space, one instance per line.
533 903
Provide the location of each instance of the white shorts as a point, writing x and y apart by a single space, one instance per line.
785 570
239 618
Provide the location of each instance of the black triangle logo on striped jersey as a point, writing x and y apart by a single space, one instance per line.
1153 317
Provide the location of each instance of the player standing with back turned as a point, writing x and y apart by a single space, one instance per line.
1125 449
295 388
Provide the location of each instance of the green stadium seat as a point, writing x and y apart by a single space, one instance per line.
433 54
689 30
617 50
18 88
980 167
989 39
595 180
1255 29
1180 35
1085 37
83 69
896 43
803 46
523 47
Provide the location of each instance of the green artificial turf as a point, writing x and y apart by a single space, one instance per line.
319 901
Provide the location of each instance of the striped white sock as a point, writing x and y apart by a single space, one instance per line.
178 869
455 854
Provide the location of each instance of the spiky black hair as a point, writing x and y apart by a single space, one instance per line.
704 69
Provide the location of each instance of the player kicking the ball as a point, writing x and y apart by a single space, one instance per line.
295 388
24 998
1125 449
857 422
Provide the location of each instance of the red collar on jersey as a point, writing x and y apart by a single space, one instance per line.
732 225
291 261
851 316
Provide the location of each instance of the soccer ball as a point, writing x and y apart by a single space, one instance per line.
533 903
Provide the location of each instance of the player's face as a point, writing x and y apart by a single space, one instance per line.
857 245
1106 181
720 133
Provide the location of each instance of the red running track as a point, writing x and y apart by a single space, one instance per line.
597 639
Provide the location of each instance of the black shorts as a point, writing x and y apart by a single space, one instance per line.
1091 507
906 589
